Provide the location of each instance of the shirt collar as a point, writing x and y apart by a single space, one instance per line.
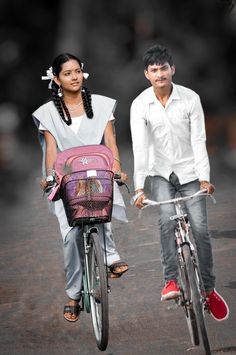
175 94
151 97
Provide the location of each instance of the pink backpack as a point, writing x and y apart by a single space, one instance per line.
85 184
86 157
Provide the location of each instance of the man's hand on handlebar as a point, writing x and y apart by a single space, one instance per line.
138 198
207 185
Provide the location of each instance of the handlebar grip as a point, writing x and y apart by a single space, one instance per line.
117 176
204 190
49 186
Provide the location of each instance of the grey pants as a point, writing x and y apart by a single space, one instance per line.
163 189
72 259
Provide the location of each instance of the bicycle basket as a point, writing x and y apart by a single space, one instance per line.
87 196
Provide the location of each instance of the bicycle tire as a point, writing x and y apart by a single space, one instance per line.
196 297
186 301
98 292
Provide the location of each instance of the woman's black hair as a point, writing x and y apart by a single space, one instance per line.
59 101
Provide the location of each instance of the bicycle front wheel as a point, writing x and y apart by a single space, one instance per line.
197 299
98 292
186 301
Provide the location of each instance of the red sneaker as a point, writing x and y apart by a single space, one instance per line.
170 291
217 306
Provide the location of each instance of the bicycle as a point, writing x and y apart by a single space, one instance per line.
95 288
87 194
193 298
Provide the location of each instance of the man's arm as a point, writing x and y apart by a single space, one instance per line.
198 141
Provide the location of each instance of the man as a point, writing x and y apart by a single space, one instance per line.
169 146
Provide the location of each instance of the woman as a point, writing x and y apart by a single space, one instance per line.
74 118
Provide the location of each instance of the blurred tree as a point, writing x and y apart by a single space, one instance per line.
72 27
27 37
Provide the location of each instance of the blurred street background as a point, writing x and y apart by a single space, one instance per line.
110 37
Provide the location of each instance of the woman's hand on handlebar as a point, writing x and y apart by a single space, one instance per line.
116 168
120 178
43 184
47 186
120 175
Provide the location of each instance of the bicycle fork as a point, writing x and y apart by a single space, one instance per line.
181 239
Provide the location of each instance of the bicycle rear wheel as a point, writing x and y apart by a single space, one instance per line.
196 297
186 302
98 292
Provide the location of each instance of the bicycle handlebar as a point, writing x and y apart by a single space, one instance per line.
49 188
203 192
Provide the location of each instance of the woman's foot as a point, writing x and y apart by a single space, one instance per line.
118 268
72 310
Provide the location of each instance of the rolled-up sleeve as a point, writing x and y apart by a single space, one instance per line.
198 140
139 133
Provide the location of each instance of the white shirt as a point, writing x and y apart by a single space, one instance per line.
169 139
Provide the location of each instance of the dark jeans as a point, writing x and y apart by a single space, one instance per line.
163 189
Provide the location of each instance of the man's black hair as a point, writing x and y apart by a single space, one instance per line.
157 54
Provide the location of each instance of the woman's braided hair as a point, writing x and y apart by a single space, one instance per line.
59 101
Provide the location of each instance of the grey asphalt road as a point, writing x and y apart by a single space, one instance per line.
32 280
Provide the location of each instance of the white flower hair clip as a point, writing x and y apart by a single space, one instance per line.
85 75
49 76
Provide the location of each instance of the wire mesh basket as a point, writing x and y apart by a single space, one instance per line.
87 196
